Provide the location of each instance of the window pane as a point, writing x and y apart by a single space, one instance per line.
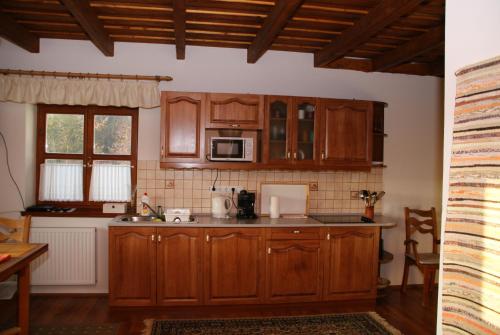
61 180
64 134
112 134
110 181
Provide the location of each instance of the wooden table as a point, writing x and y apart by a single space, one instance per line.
22 255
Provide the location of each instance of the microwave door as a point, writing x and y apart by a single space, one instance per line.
223 149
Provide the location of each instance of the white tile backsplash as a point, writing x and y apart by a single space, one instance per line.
330 191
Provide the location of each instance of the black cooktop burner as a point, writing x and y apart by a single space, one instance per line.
340 219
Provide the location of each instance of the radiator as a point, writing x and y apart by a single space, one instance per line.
71 259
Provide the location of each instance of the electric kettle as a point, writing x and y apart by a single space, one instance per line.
221 205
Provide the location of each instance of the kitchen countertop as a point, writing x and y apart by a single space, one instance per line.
210 222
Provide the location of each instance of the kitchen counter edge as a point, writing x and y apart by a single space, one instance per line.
261 222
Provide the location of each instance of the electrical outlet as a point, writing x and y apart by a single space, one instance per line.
354 195
227 189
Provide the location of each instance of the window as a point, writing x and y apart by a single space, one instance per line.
86 154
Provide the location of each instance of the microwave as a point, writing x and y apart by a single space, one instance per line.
231 149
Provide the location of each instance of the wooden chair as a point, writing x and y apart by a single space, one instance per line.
15 230
423 222
12 231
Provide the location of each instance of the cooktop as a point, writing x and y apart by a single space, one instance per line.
340 219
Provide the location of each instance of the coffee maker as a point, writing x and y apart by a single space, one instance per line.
246 203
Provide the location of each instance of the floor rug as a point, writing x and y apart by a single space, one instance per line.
345 324
100 329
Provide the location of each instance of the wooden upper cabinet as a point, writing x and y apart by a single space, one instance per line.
239 111
291 131
277 130
179 254
234 265
351 263
132 266
305 131
346 132
182 127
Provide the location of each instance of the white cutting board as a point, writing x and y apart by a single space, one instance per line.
293 198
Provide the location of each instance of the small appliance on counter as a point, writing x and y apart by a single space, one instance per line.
221 205
178 215
246 205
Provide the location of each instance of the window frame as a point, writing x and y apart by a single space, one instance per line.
88 155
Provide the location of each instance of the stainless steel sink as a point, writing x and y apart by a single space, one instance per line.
137 218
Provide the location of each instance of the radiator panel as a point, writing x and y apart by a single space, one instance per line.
71 259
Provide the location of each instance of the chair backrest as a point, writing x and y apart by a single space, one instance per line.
424 222
18 230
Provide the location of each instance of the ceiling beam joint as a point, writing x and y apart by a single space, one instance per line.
408 51
90 23
18 34
272 27
180 28
377 19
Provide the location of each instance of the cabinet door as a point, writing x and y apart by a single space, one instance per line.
179 266
277 139
234 265
132 266
293 270
182 129
351 263
346 136
305 131
239 111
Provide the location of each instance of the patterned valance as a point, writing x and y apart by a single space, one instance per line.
69 91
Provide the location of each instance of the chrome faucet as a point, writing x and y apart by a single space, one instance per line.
157 213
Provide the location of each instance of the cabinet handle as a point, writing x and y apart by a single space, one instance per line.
235 125
153 237
269 251
328 236
208 238
294 155
323 156
288 155
296 231
159 238
161 151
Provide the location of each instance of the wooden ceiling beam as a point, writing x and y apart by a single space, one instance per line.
273 25
378 18
18 34
408 51
89 22
180 28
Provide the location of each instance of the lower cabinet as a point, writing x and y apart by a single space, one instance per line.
213 266
234 265
293 270
155 266
351 263
179 272
132 266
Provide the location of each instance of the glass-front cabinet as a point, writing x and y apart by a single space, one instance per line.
278 132
304 130
290 130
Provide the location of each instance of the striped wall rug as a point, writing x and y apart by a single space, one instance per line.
471 267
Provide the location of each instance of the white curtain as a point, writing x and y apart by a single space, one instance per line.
110 182
68 91
61 182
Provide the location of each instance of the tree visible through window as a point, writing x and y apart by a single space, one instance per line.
86 155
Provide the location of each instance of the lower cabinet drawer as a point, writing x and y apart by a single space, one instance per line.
294 233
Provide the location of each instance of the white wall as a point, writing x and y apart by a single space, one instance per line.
413 118
17 124
471 36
